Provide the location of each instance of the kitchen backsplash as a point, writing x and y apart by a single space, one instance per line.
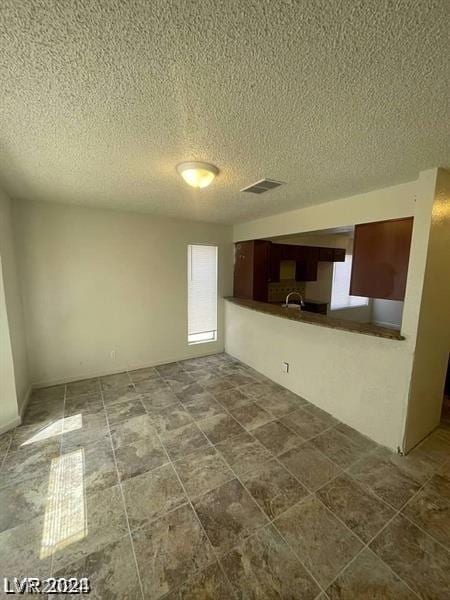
279 290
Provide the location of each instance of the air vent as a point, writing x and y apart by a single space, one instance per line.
264 185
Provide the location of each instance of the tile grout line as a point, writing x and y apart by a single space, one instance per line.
366 546
7 450
272 521
313 493
130 537
369 491
343 471
268 521
196 516
60 456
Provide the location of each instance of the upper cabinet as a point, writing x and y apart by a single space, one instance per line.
257 263
380 259
252 270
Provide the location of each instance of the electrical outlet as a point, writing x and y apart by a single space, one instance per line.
285 367
112 354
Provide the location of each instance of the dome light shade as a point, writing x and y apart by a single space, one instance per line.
197 174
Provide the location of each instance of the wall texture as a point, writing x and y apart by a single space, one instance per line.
362 380
98 281
14 368
433 336
9 409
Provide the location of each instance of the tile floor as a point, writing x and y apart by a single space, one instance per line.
203 479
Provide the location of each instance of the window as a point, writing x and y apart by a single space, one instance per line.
340 297
202 294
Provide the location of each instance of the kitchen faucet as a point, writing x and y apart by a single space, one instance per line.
298 294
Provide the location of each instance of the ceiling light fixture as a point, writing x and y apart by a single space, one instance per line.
197 174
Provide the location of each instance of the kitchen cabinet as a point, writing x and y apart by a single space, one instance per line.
332 254
307 258
380 259
257 263
252 270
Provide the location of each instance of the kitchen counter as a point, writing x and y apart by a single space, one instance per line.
316 319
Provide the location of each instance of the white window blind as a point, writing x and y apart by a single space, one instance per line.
202 293
340 297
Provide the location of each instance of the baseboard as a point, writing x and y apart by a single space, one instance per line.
132 367
24 404
10 425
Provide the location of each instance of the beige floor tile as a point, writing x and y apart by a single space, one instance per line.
320 541
415 557
229 515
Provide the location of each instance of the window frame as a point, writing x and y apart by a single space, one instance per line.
210 335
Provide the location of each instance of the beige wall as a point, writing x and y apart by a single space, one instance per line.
433 336
362 380
9 409
388 203
14 366
99 281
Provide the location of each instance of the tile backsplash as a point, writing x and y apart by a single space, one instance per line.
279 290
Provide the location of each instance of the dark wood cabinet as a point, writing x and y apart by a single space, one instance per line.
251 270
380 259
274 259
257 262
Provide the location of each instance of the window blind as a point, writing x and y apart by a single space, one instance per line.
340 297
202 293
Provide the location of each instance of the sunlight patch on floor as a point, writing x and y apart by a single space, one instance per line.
56 428
65 520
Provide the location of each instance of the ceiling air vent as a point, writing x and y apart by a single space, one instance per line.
264 185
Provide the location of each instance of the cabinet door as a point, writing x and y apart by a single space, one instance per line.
338 255
326 254
306 270
243 270
380 259
261 270
274 263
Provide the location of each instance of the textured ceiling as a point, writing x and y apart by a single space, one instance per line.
101 99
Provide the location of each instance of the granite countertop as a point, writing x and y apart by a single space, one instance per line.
305 300
316 319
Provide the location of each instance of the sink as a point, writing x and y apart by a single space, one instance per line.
292 305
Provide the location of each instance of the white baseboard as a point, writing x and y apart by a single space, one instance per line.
17 420
92 374
25 402
10 425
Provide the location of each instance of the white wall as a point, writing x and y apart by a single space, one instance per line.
388 203
369 376
14 380
362 380
97 281
387 313
9 409
433 336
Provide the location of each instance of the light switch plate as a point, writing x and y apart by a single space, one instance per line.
285 367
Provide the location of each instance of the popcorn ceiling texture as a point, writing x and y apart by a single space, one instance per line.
101 99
